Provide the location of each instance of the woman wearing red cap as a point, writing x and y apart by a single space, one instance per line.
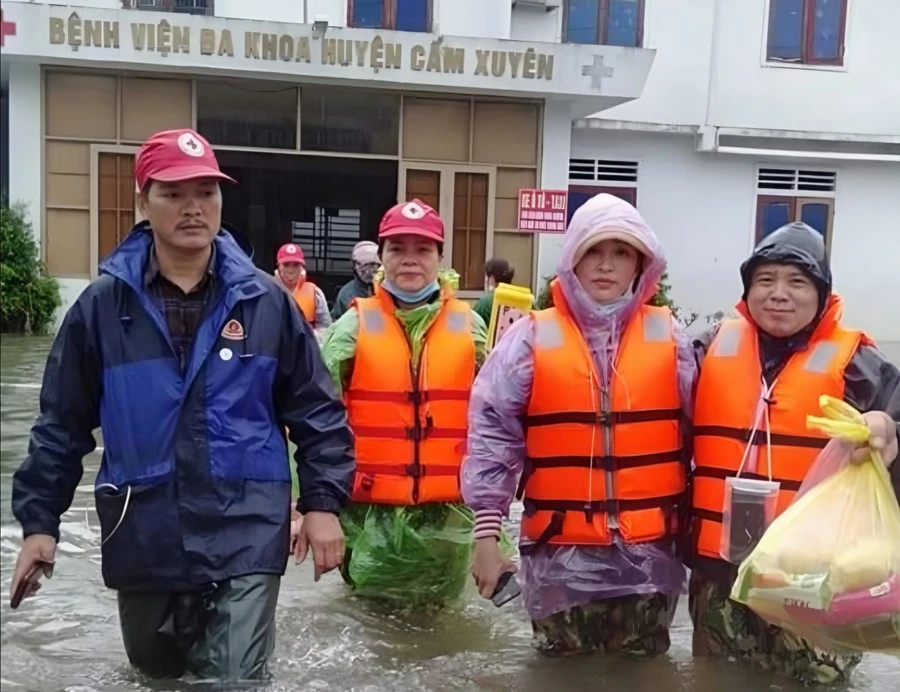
291 272
405 360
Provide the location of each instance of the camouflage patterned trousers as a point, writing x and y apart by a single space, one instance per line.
723 627
631 626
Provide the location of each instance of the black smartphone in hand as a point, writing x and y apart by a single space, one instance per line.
507 589
31 584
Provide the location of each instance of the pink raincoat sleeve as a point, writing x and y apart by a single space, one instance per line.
496 447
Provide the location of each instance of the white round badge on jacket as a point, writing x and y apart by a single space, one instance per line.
225 354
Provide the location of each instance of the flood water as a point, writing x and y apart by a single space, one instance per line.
67 638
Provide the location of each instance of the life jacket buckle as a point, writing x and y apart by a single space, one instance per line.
414 470
414 433
589 513
604 418
416 398
366 482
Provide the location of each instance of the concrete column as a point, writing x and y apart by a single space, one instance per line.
25 161
556 145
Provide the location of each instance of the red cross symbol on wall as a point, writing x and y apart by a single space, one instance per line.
6 29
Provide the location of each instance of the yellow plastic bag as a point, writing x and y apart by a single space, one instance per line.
828 569
511 303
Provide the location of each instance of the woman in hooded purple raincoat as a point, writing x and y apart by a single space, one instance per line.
617 594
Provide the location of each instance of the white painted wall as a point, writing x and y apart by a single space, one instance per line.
702 207
272 10
863 97
536 24
25 139
866 247
104 4
481 18
675 93
335 10
69 290
555 152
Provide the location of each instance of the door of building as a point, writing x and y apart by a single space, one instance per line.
113 208
464 197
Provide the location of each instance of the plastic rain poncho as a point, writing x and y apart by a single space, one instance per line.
556 578
417 555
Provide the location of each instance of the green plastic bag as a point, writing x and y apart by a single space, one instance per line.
412 556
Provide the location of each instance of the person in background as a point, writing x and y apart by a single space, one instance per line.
405 360
771 364
291 271
587 401
496 271
192 362
364 261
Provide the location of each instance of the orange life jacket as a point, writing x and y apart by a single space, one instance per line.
731 402
598 463
409 419
305 295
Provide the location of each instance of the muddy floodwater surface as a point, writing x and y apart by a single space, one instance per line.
67 638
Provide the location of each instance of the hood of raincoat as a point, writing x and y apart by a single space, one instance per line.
797 244
800 245
606 212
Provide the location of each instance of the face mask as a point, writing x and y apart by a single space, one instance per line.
411 298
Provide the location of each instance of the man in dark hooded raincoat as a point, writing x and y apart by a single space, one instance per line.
786 349
365 262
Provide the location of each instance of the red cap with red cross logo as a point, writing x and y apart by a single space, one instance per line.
412 218
290 253
176 155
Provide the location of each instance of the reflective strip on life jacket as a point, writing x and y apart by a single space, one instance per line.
594 468
729 398
410 432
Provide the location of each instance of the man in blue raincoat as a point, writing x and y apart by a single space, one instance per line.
192 362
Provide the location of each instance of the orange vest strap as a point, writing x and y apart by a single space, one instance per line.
761 437
721 474
372 395
417 434
603 418
554 528
409 397
410 470
609 506
707 514
607 463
